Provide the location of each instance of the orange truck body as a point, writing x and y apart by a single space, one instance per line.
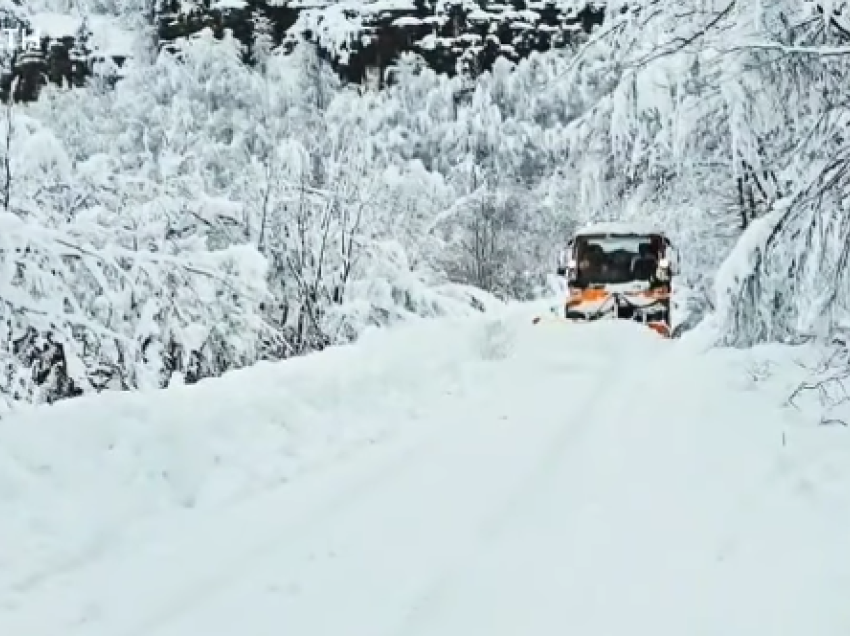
585 301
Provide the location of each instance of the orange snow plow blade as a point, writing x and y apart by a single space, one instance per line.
599 297
658 327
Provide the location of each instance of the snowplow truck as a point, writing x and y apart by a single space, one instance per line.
617 271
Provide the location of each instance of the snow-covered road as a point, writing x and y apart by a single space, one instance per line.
507 480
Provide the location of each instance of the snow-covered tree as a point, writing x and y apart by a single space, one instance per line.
206 214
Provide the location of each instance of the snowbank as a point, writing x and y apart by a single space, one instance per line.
75 473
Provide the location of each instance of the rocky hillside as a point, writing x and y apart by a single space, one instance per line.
63 48
361 38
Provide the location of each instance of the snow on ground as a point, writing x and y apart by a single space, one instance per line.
468 476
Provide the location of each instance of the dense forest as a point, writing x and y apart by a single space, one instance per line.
221 195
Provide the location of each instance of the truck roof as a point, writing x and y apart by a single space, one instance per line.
619 228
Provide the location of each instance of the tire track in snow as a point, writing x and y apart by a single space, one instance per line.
564 444
336 505
463 482
285 558
324 501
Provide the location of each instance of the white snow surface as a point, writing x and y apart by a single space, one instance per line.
108 37
460 477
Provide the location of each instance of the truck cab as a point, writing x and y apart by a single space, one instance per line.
623 271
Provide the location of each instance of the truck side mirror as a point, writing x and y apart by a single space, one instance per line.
672 255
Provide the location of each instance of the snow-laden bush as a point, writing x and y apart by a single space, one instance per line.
201 217
785 70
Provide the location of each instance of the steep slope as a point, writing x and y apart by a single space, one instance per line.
472 476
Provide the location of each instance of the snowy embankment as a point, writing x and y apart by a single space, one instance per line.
76 472
452 477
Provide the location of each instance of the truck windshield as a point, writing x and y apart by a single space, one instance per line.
611 260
